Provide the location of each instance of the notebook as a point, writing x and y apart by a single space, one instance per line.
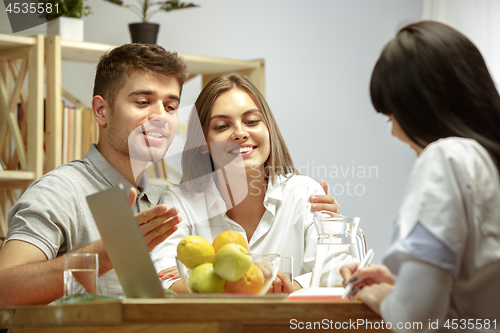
125 244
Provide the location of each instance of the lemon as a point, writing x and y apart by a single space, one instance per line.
195 250
229 236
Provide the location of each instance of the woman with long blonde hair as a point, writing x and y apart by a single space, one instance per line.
238 175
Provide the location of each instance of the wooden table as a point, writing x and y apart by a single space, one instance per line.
194 315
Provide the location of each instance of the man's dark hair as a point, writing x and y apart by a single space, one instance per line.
120 62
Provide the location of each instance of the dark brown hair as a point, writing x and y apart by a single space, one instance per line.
123 60
434 81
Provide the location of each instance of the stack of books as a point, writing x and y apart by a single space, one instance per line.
80 130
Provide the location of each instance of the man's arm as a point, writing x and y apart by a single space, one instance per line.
23 279
27 277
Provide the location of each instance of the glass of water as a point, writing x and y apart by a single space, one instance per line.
80 273
286 267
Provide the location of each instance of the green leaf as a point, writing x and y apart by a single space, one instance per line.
68 8
145 9
116 2
174 5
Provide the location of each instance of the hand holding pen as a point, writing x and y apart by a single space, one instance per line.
367 259
354 275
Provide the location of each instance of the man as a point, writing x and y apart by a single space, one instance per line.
136 86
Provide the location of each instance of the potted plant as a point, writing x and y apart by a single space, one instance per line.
144 31
66 20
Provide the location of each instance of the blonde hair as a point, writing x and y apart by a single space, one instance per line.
196 165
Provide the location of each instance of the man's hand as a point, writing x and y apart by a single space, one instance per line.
325 202
156 223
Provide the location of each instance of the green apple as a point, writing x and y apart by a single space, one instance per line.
203 279
231 262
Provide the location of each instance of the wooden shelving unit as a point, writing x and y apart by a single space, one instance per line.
34 54
20 145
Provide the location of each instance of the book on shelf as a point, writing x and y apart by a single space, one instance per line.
65 138
77 144
79 132
71 133
90 130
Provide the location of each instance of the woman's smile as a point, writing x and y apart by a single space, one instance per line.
243 150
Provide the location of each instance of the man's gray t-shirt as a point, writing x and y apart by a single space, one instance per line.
53 214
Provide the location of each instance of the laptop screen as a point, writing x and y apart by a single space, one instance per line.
125 244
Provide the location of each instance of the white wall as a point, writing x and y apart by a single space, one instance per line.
319 57
478 20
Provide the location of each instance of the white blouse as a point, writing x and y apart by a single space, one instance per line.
450 219
286 228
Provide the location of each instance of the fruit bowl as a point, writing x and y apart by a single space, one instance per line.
256 279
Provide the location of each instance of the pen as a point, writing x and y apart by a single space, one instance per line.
365 262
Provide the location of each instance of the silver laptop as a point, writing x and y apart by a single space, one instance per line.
125 244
